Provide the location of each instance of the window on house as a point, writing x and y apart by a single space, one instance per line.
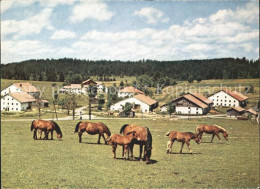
188 107
229 100
225 96
16 108
225 105
197 112
16 103
229 104
12 103
234 105
217 103
217 96
225 100
197 108
234 101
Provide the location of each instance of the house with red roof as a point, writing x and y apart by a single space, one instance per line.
188 104
140 101
129 92
228 98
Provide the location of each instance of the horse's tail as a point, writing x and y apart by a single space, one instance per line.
167 134
77 126
32 125
197 130
57 128
148 143
123 128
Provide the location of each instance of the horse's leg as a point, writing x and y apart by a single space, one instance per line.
182 146
80 134
99 136
169 146
35 134
47 135
200 137
104 138
141 151
131 147
126 149
219 138
51 135
188 144
212 137
114 150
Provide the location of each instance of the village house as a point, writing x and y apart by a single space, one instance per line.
73 88
236 111
17 101
188 104
21 87
228 98
129 92
140 101
88 82
252 112
203 99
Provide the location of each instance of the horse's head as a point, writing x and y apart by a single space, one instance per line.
197 139
59 136
225 135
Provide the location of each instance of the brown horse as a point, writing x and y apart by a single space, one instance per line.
145 140
211 129
183 137
92 129
46 127
124 140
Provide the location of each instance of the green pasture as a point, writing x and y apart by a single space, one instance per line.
27 163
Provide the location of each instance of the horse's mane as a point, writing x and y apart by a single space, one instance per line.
123 128
220 127
57 128
32 125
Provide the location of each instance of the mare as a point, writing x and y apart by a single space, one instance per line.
145 137
92 129
211 129
124 140
46 127
183 137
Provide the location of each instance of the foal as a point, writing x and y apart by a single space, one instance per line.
183 137
123 140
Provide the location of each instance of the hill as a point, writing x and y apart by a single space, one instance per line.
59 69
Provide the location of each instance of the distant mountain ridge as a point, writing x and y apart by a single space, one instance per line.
57 69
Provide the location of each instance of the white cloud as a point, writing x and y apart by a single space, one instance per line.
90 9
7 4
54 3
152 15
63 34
31 25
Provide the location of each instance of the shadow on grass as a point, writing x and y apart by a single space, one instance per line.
214 143
94 143
138 159
194 153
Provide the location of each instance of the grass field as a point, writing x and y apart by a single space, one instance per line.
27 163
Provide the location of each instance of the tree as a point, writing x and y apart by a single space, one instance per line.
198 79
190 79
170 108
92 92
121 84
127 108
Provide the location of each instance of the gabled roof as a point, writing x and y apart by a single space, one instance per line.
88 81
234 94
238 109
22 97
145 99
26 87
130 89
193 100
252 111
201 98
72 86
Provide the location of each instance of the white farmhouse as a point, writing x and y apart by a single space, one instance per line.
228 98
142 102
129 92
21 87
73 88
188 104
17 101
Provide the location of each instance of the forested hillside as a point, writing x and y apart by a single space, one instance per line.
58 69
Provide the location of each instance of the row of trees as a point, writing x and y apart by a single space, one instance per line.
59 69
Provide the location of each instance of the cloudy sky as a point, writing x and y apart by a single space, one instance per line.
128 30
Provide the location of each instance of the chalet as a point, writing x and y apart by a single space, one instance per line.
236 111
188 104
17 101
88 82
203 99
140 101
251 112
73 88
228 98
129 92
21 87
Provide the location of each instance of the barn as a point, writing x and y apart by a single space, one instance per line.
236 111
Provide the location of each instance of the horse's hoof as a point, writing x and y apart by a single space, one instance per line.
167 152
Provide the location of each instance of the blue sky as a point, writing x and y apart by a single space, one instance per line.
128 30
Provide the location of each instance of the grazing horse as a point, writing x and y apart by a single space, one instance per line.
46 127
145 140
211 129
124 140
92 129
183 137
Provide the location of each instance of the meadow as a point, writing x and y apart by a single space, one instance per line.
28 163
